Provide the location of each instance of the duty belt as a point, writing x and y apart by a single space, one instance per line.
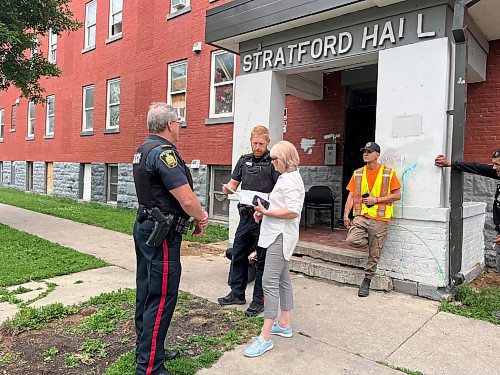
180 224
245 210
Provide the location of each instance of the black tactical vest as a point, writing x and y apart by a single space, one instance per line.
258 175
150 190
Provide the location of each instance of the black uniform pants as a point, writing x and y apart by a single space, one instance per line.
158 276
245 241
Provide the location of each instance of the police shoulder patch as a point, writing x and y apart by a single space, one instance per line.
169 158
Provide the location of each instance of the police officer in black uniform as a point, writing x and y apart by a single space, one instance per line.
488 170
255 172
163 184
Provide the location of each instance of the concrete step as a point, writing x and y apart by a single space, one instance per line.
338 255
341 274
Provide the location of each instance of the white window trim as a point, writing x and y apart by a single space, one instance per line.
108 104
47 116
84 109
170 93
216 190
108 184
52 48
88 26
214 85
30 135
110 35
174 10
2 122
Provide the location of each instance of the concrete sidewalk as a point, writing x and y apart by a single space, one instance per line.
335 331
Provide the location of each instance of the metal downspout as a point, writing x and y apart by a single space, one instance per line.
460 34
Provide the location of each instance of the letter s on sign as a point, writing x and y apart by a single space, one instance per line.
247 63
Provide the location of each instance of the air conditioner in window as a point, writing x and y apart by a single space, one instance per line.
178 4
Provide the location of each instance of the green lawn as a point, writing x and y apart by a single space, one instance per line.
24 257
117 219
472 304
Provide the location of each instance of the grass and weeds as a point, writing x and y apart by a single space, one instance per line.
402 369
26 257
113 218
30 318
81 340
474 304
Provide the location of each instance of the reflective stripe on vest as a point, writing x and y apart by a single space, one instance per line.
381 188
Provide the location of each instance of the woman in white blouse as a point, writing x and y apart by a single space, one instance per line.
279 233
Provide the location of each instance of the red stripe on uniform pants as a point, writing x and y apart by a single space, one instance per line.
164 284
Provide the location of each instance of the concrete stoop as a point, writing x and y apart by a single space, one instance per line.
335 264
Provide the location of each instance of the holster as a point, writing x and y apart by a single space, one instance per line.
163 223
142 214
245 211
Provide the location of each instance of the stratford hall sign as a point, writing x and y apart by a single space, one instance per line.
302 50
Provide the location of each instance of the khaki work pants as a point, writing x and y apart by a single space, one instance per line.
372 233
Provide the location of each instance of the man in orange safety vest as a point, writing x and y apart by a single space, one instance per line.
372 191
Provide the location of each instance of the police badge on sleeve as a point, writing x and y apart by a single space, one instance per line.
169 158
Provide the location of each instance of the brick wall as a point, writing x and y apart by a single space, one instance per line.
482 133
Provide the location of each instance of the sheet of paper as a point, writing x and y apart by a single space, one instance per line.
246 196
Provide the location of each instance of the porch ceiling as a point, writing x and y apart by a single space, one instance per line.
486 14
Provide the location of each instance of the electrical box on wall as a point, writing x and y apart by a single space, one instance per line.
330 154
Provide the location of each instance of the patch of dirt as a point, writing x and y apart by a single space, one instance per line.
486 280
194 316
196 248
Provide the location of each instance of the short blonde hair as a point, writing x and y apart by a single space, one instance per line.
287 155
259 130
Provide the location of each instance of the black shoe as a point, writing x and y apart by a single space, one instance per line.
364 288
230 299
171 354
254 309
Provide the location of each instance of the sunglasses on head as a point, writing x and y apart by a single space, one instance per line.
273 158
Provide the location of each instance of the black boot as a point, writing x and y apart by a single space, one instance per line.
364 288
171 354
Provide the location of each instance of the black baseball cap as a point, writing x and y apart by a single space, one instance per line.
496 154
371 146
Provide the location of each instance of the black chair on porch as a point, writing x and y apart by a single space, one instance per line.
320 198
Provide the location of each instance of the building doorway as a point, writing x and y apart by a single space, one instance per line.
359 129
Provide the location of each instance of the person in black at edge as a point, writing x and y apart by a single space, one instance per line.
255 172
487 170
162 180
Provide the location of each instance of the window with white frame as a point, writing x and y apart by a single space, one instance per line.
112 185
88 108
177 84
52 47
31 119
34 46
219 203
113 112
2 122
29 176
13 118
90 23
115 17
49 121
177 5
222 84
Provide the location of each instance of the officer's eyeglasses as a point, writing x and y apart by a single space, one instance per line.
367 151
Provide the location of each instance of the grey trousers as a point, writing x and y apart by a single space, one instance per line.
276 281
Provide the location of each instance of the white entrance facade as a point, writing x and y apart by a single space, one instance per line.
415 87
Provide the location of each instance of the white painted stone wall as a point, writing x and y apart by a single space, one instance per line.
259 100
473 242
417 249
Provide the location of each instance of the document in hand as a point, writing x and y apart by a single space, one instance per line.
246 196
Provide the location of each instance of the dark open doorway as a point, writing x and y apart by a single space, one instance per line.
359 129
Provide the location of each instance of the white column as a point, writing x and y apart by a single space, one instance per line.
259 100
412 128
412 124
